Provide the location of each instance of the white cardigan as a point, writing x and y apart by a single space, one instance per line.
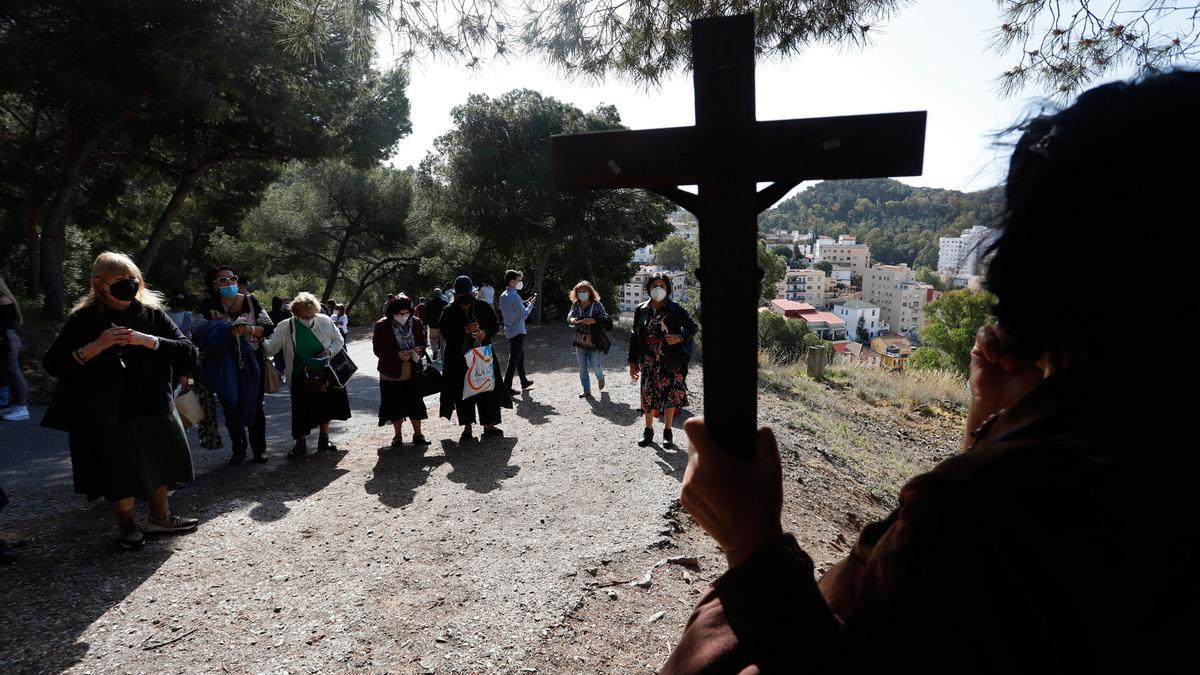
282 339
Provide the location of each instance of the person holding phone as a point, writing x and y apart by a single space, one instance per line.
514 311
400 342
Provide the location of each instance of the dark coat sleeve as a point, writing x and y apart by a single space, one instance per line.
486 317
420 334
688 326
635 339
766 615
59 359
382 341
172 344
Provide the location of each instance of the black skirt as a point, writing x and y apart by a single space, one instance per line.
399 400
311 409
130 457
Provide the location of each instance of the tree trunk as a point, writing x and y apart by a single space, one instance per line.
338 259
539 275
54 231
32 239
163 225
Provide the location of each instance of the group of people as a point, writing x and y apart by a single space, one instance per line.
1023 553
125 354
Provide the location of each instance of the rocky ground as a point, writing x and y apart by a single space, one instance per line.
558 548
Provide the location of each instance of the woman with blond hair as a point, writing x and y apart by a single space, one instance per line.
114 360
308 340
10 361
590 321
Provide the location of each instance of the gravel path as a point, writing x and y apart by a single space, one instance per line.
467 557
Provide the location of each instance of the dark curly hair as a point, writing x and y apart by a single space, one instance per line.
1081 180
660 276
210 278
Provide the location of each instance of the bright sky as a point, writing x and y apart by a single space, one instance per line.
931 56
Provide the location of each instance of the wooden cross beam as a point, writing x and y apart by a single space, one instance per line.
726 155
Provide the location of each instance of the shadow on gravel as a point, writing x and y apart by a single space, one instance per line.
399 472
73 571
531 410
617 413
480 464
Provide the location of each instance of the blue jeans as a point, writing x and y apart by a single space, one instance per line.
586 358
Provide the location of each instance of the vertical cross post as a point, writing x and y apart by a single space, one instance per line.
729 275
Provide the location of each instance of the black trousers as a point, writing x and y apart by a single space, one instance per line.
237 426
516 360
488 404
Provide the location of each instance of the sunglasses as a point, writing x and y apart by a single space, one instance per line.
231 279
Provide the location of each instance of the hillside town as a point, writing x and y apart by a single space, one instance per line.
870 311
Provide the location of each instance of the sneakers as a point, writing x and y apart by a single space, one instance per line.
601 383
173 523
129 535
16 413
585 394
261 457
527 385
647 437
668 440
493 431
419 439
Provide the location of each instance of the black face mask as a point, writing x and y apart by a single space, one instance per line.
465 301
124 289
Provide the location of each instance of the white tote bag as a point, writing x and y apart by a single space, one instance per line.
481 376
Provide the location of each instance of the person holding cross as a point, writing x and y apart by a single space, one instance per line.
659 354
1025 552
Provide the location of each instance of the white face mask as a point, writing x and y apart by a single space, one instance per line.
308 322
520 285
584 295
402 319
658 293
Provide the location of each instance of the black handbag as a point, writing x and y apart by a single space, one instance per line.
341 368
313 379
428 381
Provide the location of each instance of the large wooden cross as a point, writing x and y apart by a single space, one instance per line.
726 155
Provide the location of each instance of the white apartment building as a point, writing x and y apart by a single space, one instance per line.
852 311
959 256
644 255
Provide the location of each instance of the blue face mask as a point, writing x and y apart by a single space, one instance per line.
228 291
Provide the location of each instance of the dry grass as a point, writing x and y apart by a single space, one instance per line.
909 388
882 427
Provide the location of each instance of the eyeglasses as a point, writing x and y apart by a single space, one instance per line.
231 279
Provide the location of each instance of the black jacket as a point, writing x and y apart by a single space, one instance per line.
103 389
678 321
433 312
454 320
